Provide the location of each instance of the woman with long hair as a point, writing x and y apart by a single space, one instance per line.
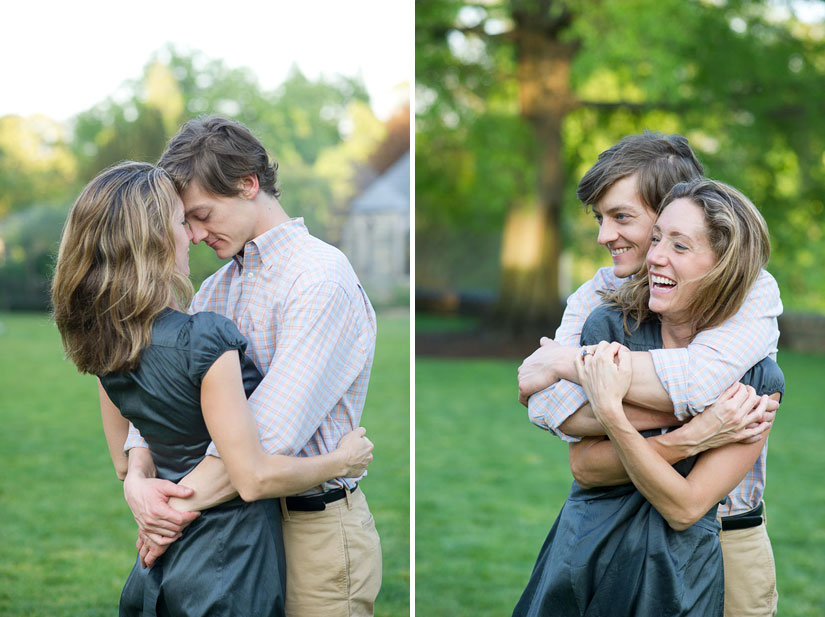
120 290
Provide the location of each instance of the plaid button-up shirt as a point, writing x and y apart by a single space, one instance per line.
311 332
694 376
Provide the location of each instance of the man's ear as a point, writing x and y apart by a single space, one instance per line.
249 186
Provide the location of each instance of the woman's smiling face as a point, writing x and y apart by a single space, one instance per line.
680 255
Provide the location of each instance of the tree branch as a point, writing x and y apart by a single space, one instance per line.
631 106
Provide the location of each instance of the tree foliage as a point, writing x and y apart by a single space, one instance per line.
741 79
321 132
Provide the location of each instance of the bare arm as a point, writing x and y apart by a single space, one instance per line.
253 473
645 391
584 423
681 501
116 428
595 462
210 486
736 417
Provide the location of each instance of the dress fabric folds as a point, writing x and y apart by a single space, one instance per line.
229 560
609 552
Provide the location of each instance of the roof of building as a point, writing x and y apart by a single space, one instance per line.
390 191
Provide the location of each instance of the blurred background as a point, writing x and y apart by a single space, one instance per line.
326 87
325 92
514 101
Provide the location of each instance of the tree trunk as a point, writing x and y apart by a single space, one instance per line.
529 290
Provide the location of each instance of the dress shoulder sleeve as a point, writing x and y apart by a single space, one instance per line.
209 336
604 323
766 378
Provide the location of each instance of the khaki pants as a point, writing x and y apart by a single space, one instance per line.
750 573
333 559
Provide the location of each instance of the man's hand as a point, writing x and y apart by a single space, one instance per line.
356 451
738 415
148 498
540 369
151 546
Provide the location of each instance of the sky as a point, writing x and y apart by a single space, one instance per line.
60 58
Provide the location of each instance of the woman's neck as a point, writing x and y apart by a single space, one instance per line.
676 334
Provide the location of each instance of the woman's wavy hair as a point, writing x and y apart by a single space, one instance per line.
116 267
738 236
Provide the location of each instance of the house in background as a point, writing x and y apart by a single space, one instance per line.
376 236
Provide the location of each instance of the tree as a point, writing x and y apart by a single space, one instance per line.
556 82
36 163
319 131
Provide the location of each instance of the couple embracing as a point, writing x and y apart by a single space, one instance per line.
663 382
239 408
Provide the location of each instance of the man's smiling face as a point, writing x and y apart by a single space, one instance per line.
624 225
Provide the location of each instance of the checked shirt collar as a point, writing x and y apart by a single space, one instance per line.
273 246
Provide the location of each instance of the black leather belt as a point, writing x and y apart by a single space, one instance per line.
316 503
751 518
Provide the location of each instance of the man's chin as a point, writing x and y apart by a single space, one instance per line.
221 251
624 271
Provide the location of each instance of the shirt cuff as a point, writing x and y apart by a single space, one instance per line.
549 408
211 450
133 439
672 368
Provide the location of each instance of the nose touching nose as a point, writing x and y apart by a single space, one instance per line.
196 234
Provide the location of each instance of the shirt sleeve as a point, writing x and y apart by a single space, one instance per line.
134 439
549 408
695 376
319 354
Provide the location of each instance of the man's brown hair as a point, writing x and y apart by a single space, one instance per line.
218 153
660 162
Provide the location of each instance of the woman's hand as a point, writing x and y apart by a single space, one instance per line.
605 376
738 415
356 452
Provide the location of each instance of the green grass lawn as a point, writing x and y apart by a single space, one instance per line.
489 485
67 534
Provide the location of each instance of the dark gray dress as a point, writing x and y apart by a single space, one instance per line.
610 553
230 560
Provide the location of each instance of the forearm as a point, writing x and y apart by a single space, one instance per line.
116 428
646 390
668 491
583 422
140 465
210 484
279 475
595 462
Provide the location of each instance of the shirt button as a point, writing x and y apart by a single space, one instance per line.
250 275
